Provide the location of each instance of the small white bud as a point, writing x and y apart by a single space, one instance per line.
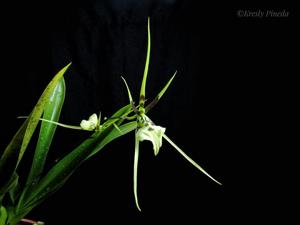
90 124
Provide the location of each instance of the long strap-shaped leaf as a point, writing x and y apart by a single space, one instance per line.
118 120
38 110
64 168
52 112
70 162
15 150
107 127
3 215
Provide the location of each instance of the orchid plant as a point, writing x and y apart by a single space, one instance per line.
146 129
17 199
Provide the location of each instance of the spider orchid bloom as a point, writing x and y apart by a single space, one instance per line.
146 130
151 132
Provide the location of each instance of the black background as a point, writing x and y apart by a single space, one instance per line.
220 108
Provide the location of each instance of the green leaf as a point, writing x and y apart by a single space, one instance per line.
15 150
160 94
38 110
118 117
52 112
59 174
10 185
9 158
3 216
143 86
115 132
14 191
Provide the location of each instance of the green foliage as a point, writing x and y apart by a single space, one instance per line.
16 148
3 215
22 198
18 199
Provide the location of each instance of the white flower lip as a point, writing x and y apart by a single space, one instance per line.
90 124
151 133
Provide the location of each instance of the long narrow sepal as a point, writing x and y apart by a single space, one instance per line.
160 94
128 90
189 159
143 86
135 172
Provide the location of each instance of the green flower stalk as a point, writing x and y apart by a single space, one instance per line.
92 124
146 129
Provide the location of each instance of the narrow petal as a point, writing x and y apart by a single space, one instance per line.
143 86
135 172
128 90
93 118
189 159
160 94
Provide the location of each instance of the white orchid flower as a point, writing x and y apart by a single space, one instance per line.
147 130
152 133
90 124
